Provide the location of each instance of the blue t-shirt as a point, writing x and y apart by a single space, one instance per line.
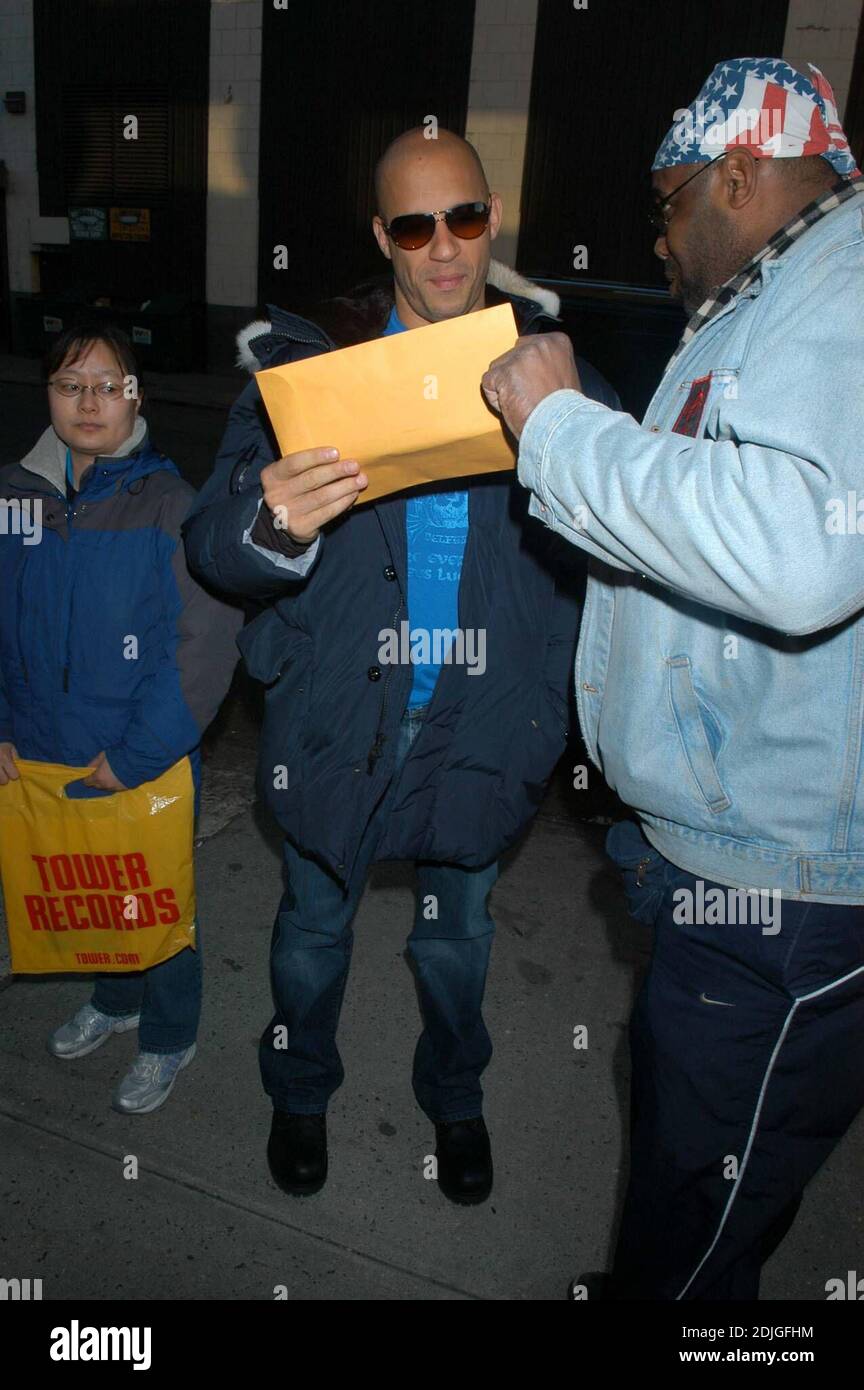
437 530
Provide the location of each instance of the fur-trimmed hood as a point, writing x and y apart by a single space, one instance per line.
341 319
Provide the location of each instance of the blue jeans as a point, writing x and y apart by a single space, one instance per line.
310 955
747 1070
168 997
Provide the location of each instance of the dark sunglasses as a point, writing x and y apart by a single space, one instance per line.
415 229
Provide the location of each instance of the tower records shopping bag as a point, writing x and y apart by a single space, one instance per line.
102 883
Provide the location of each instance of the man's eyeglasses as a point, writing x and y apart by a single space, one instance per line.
415 229
105 390
658 214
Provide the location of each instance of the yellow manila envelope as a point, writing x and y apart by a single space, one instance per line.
407 407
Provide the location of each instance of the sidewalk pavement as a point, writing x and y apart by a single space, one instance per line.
203 1220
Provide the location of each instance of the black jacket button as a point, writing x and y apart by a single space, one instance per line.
374 673
389 572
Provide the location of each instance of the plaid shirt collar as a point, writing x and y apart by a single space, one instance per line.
832 198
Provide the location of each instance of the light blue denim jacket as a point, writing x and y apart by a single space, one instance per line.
720 669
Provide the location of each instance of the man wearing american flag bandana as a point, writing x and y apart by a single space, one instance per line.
720 671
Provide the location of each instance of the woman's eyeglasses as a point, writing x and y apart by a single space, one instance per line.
415 229
106 390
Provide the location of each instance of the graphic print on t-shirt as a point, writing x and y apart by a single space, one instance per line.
437 527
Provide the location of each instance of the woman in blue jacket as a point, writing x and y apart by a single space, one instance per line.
109 567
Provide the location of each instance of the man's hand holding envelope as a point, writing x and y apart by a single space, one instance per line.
401 410
523 377
306 489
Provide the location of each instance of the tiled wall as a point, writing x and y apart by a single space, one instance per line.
18 137
498 103
824 32
232 165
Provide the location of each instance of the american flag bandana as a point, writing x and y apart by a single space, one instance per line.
765 106
780 242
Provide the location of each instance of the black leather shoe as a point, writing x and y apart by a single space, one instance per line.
297 1152
464 1157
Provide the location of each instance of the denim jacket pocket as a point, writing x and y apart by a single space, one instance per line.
691 731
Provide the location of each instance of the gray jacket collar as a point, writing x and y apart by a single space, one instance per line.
47 458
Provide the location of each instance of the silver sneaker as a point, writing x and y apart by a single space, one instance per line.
89 1029
150 1081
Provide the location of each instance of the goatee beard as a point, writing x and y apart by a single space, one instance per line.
694 296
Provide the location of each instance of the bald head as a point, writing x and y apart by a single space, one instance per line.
446 275
412 157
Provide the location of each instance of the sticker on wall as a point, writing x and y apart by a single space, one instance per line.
130 224
88 224
50 324
141 335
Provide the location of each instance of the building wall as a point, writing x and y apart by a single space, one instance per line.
498 97
824 32
232 166
232 199
18 138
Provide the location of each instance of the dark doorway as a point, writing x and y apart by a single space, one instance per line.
853 122
338 82
606 83
141 60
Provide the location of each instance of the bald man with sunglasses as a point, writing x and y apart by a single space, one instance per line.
434 760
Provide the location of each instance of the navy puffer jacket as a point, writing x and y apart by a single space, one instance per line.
479 766
106 640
